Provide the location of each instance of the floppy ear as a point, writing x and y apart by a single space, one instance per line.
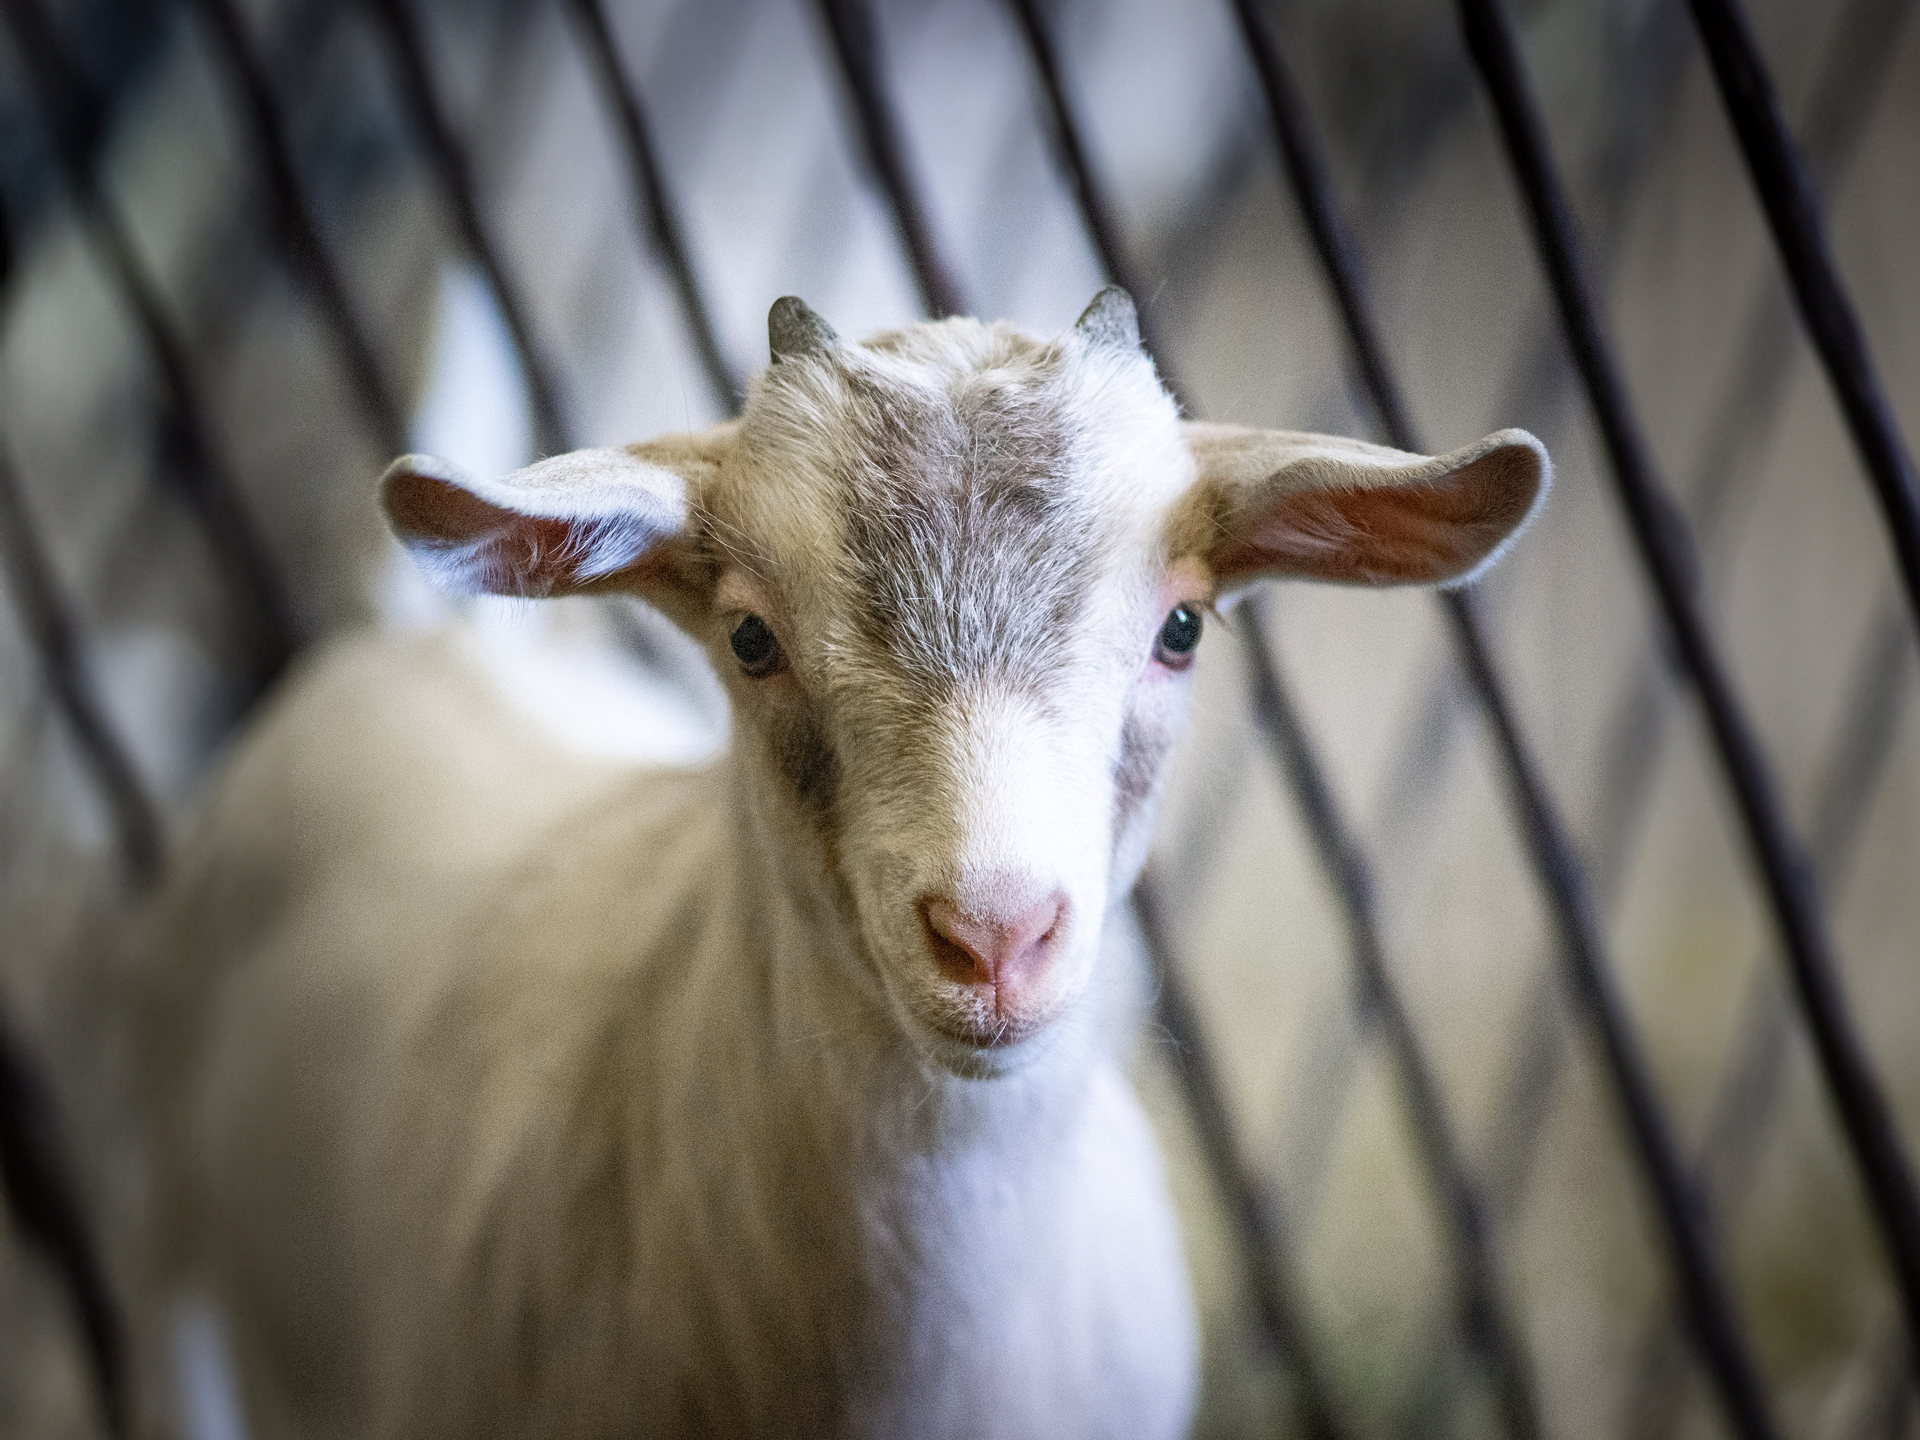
589 520
1282 502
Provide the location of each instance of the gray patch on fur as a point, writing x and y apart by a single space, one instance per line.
972 555
1142 754
806 757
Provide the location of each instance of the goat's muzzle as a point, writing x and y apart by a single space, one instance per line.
999 954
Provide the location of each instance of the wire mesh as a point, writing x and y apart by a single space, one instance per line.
343 227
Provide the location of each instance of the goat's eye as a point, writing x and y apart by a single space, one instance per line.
755 648
1178 638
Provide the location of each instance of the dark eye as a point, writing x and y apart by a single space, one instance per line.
755 648
1174 646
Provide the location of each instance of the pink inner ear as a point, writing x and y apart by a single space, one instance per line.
432 511
501 551
1409 534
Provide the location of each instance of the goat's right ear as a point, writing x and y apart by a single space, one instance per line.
611 519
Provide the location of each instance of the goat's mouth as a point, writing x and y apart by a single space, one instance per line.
970 1056
976 1038
995 1034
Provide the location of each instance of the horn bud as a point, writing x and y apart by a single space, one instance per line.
1111 321
793 330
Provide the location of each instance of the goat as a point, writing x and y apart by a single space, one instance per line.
500 1092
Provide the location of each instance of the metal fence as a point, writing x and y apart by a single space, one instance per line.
68 93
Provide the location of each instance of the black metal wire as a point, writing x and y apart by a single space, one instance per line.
1703 1289
1793 212
1550 848
659 218
34 1176
298 230
1752 398
1750 1083
1645 71
1489 1330
1490 1327
858 50
46 1209
420 97
48 621
1789 881
1313 192
76 119
1097 212
655 214
1271 1272
1852 80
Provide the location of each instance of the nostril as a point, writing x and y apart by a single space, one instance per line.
956 944
950 952
1040 926
985 947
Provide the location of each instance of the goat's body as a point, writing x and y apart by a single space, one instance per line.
503 1094
506 1094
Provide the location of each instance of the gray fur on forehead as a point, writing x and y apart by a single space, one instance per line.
968 472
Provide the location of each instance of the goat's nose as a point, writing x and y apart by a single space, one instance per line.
987 946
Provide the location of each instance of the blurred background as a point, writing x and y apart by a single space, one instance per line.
1491 1107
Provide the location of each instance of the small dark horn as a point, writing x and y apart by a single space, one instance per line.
794 330
1111 320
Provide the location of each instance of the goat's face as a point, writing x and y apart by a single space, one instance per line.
943 575
955 577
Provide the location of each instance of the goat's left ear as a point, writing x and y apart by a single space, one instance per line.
1282 502
589 520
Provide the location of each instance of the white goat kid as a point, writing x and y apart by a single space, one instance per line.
506 1095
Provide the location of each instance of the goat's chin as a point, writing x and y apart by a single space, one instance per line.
975 1047
976 1058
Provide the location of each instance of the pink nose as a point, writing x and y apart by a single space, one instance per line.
986 946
